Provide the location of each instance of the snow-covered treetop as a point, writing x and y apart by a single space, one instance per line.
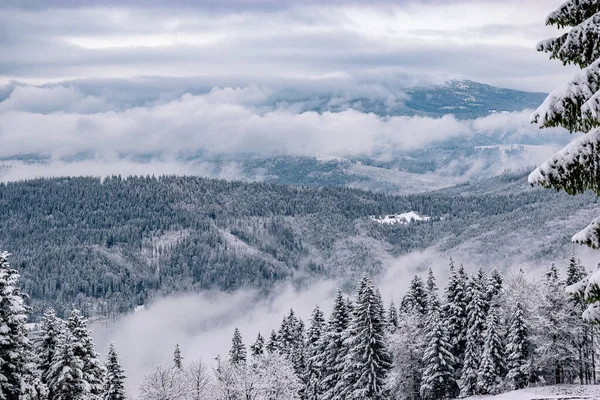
573 12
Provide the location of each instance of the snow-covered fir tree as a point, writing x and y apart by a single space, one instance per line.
237 353
114 379
47 341
257 349
556 350
407 347
470 369
492 366
494 285
315 347
518 349
177 358
14 343
335 350
476 317
66 377
368 362
438 380
93 370
291 341
576 107
415 298
455 311
392 317
273 343
433 301
291 333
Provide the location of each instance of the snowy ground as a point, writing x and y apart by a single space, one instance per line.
564 392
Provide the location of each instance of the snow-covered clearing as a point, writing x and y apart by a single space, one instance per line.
563 392
404 218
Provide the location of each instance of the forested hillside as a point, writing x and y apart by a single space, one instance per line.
107 246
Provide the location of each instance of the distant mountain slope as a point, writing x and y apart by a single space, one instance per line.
109 246
467 99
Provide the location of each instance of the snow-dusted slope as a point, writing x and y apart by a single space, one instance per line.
404 218
564 392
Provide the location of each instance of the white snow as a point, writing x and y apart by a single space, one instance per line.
571 392
580 151
402 219
578 91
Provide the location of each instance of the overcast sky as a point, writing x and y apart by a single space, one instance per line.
112 79
257 40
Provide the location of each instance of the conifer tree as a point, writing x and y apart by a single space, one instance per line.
433 301
456 311
438 374
476 316
393 321
574 106
273 343
431 285
517 349
51 328
335 350
416 298
494 285
66 377
575 271
369 361
491 367
556 352
114 379
237 354
470 368
14 343
258 348
93 371
315 347
177 358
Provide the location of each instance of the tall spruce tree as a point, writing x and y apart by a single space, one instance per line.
438 380
177 358
47 341
258 348
517 349
392 317
93 371
273 343
415 298
315 347
476 317
66 377
237 354
14 343
492 365
369 361
494 285
335 350
114 379
455 311
556 353
574 106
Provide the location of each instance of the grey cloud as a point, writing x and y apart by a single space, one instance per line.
225 120
302 42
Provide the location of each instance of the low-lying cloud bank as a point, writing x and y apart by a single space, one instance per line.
63 121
